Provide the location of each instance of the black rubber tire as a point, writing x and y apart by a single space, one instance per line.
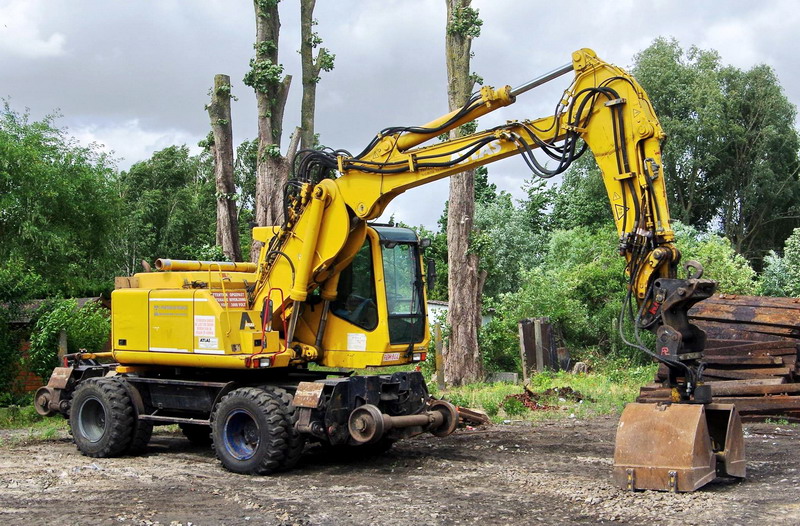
102 418
141 437
248 428
197 434
295 440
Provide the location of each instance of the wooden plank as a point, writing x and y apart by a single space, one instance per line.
743 360
742 374
752 381
719 390
747 314
747 346
762 403
752 301
527 348
713 343
728 329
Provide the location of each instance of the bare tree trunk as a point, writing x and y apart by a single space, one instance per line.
312 67
462 360
219 112
271 90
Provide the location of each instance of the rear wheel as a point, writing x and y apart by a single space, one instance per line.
102 418
198 435
141 437
296 442
249 432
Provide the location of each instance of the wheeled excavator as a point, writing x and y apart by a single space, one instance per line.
236 353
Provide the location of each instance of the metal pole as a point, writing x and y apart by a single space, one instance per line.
538 81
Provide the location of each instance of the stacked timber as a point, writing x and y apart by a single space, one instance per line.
751 356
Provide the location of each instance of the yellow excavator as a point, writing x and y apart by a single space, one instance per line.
231 352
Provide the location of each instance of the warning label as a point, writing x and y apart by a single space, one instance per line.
208 343
356 341
235 299
205 326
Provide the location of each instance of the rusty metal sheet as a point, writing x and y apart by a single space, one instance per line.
308 394
60 377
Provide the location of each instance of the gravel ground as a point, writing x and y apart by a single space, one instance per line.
548 473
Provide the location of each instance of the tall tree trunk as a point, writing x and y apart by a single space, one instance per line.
271 88
219 111
462 361
312 67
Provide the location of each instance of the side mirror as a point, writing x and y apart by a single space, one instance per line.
430 273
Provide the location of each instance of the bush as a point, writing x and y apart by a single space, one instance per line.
781 276
87 328
720 261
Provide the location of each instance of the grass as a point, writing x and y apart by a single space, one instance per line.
606 390
29 426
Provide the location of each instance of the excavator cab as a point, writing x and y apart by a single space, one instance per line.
379 315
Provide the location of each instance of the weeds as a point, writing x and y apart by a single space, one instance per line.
605 391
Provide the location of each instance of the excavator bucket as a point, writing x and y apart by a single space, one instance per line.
677 447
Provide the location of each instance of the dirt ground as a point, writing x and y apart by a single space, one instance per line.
548 473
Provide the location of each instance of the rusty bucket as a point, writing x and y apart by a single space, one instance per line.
677 447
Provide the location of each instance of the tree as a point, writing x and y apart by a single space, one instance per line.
758 162
244 176
58 208
168 207
581 199
685 91
219 111
271 87
781 275
731 157
461 353
312 67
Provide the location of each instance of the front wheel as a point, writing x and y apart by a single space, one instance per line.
102 418
249 432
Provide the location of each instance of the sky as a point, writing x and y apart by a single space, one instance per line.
133 76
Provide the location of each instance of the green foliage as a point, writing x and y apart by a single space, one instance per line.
720 261
464 21
272 150
87 328
505 243
581 200
17 285
497 340
59 207
265 7
168 207
263 75
781 275
15 416
732 155
514 407
611 385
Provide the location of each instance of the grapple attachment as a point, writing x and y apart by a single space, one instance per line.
677 447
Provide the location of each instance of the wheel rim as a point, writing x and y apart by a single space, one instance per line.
92 419
241 434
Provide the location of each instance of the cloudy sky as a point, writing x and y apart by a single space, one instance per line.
134 75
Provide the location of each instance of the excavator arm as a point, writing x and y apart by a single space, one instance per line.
604 110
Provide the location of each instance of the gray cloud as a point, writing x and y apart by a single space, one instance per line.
135 75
